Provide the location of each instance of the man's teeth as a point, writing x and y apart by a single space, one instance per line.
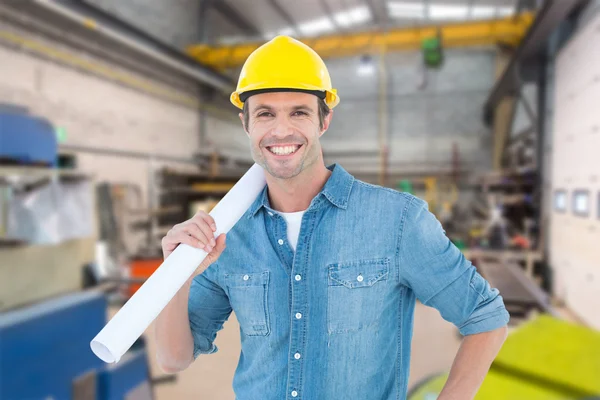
283 150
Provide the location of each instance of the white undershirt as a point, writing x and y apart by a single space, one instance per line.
293 221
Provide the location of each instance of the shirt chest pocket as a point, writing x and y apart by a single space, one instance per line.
355 294
248 295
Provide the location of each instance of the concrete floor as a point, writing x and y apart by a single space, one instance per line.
435 343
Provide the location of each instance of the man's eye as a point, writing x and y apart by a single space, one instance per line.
265 114
299 113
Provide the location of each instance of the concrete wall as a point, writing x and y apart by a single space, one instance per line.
574 236
428 111
103 114
176 22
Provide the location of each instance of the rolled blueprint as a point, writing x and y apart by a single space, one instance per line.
144 306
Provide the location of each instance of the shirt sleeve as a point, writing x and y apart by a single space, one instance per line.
208 309
440 276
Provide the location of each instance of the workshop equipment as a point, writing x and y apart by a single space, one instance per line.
44 347
141 269
544 359
26 139
45 354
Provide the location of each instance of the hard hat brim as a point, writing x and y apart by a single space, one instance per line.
331 97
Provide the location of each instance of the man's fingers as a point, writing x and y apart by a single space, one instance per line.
216 253
220 244
204 241
210 221
184 237
210 234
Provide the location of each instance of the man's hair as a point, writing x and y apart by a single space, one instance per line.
323 112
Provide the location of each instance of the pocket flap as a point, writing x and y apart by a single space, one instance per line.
357 274
247 279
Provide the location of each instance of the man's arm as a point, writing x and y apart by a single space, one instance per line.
442 278
174 341
472 363
174 329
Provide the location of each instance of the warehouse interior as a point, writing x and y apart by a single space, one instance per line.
115 125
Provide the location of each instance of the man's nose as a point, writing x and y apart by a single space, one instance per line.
283 127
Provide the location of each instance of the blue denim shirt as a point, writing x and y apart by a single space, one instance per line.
335 319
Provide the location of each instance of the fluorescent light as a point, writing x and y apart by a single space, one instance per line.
483 12
506 11
316 26
352 16
448 11
365 69
409 10
366 66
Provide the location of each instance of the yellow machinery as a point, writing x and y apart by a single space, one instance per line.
507 31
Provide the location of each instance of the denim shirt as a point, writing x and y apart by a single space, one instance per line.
334 320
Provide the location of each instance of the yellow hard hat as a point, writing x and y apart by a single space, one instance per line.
284 64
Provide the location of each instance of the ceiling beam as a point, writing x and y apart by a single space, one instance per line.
120 33
508 31
235 17
378 19
329 14
204 21
547 19
285 15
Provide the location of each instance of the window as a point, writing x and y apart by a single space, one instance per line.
581 202
560 201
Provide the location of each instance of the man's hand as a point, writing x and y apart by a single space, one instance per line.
197 232
174 341
472 363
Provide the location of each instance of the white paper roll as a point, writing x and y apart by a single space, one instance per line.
144 306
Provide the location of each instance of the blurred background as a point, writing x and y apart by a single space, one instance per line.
115 125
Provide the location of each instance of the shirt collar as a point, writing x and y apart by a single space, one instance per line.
336 190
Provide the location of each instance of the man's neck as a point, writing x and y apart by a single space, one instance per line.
292 195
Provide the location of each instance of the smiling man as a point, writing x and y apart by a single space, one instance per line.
323 271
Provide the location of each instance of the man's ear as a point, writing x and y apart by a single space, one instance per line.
326 122
241 115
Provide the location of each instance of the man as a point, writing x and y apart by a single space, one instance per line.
323 270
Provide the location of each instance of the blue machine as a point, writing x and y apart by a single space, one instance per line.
116 382
26 139
45 349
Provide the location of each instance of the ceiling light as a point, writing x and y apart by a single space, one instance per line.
448 11
316 26
410 10
366 66
353 16
505 11
482 12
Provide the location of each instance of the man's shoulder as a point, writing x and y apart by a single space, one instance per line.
375 195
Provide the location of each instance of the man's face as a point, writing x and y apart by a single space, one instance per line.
284 132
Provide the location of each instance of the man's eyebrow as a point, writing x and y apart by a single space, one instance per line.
262 107
302 108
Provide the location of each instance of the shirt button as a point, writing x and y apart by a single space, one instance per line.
280 241
298 277
270 213
246 277
298 315
297 356
360 278
294 393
